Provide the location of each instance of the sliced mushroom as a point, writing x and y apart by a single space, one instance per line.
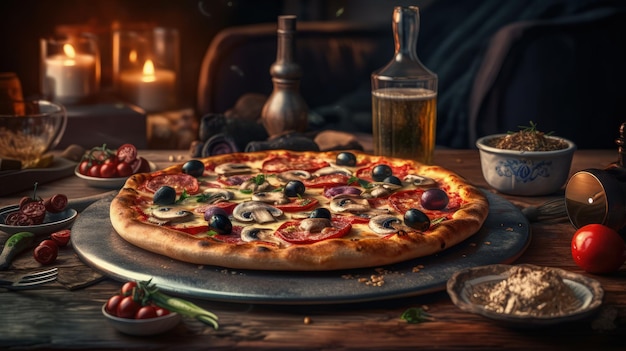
252 233
294 175
380 190
256 211
271 197
349 203
215 195
385 224
164 215
332 170
229 169
315 225
419 181
252 185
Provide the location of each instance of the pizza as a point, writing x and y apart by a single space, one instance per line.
297 211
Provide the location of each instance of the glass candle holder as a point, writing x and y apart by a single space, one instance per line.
70 68
146 67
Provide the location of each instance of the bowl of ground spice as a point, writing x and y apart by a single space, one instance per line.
525 295
528 162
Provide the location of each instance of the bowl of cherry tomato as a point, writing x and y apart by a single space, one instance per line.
102 167
128 315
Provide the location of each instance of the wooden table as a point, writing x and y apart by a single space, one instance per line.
53 317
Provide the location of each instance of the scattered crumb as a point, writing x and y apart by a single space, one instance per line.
487 242
307 320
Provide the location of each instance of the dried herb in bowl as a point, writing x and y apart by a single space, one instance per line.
527 139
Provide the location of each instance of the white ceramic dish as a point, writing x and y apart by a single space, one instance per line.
464 284
150 326
52 222
107 183
527 173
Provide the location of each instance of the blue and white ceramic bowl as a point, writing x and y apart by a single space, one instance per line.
526 173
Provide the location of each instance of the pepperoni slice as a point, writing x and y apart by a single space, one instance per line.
290 231
179 182
36 210
56 203
18 219
402 201
288 163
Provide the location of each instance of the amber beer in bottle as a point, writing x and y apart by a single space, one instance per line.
404 122
404 97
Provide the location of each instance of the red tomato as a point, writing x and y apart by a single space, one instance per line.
146 312
598 249
94 171
84 166
112 304
108 169
124 169
127 288
298 204
127 307
126 153
62 237
160 311
290 231
46 252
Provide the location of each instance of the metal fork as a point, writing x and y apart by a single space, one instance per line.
30 280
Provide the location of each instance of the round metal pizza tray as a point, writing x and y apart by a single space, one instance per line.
504 236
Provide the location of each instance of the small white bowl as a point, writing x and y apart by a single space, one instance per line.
527 173
150 326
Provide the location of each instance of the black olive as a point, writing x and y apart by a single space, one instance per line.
416 219
194 168
346 159
392 180
165 195
220 224
294 188
320 213
380 172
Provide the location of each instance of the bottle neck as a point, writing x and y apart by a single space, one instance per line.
285 66
405 32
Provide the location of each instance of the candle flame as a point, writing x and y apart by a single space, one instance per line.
148 71
69 51
132 56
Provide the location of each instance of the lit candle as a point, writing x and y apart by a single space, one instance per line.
153 89
71 75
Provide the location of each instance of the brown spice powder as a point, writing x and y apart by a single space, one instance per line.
529 292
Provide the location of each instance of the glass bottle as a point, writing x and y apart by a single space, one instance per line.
404 96
285 110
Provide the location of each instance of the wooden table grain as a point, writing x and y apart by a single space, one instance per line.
54 317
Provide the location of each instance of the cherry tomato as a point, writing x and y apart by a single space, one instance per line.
127 307
108 169
146 312
46 252
124 169
144 166
160 311
126 153
598 249
62 237
84 166
112 303
94 171
127 288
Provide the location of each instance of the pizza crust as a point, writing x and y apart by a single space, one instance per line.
331 254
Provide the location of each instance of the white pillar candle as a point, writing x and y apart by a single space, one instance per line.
153 89
70 75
